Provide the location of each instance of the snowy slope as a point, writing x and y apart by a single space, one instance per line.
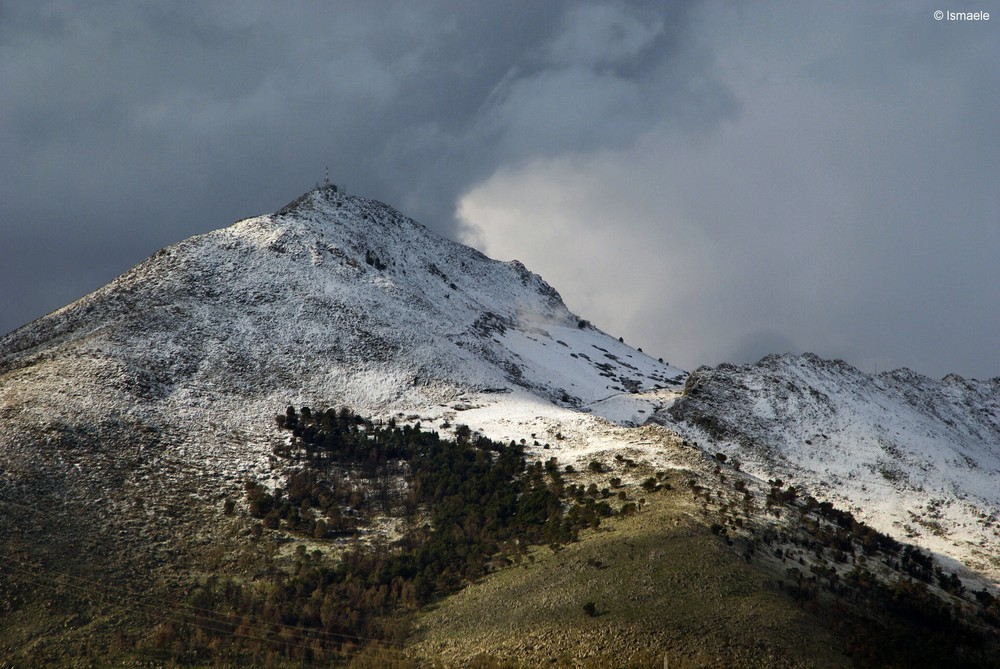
913 457
334 300
162 386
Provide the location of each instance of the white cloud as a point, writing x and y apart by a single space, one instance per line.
608 238
839 213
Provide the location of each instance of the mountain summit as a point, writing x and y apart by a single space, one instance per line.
334 300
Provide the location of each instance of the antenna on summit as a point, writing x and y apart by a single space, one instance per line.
329 186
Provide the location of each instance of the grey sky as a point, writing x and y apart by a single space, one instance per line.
712 181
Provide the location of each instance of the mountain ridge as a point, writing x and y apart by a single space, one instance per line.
912 456
339 300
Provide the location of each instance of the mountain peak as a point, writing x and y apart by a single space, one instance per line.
333 300
328 193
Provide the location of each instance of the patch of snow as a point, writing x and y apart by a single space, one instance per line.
916 458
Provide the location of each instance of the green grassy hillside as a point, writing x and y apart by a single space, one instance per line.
661 584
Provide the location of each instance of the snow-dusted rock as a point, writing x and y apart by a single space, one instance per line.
911 456
171 374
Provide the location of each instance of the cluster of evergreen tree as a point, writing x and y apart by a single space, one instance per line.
465 501
470 489
902 622
905 624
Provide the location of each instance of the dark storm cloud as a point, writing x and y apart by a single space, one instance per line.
764 174
128 126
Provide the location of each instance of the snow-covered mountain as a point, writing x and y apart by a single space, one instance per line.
171 374
161 388
911 456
